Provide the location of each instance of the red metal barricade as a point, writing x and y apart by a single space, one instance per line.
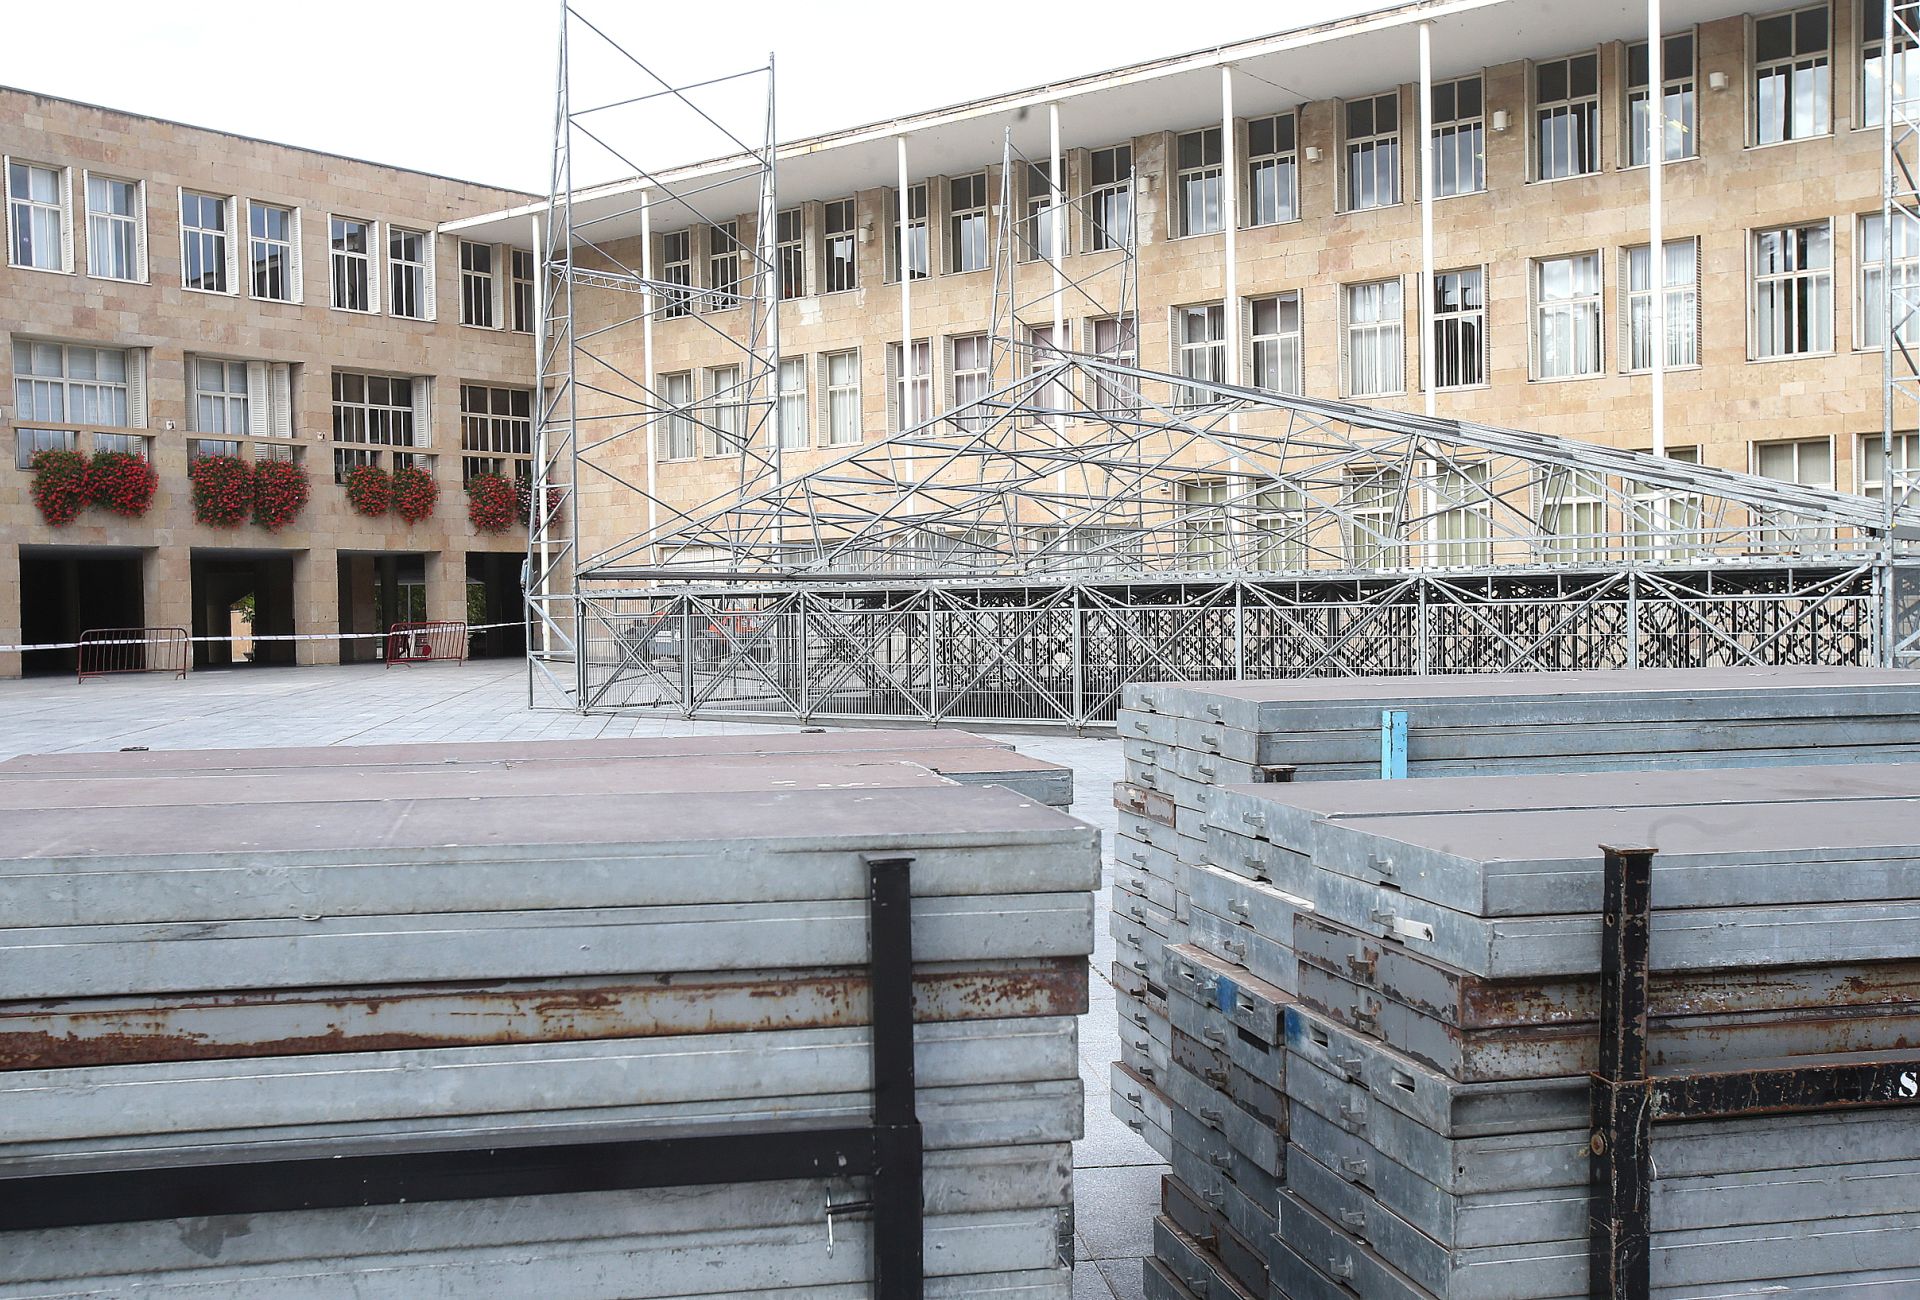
104 651
426 643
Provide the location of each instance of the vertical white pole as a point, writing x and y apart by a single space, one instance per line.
1656 231
1230 226
908 415
647 302
1429 358
538 522
1056 251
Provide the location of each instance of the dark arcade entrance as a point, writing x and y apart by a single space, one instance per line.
493 596
242 594
64 590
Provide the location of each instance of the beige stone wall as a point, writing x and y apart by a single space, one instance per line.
171 322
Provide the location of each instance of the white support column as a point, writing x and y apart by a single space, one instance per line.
905 376
1056 251
647 378
1656 230
1429 367
1230 227
538 580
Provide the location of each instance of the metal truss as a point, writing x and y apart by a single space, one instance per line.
1899 470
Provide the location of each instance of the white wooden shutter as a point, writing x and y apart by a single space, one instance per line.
296 265
6 197
429 274
1412 356
422 411
1533 318
1625 307
825 420
137 387
1346 359
257 415
502 268
374 260
1075 165
231 219
280 399
893 387
946 364
66 219
140 230
1245 376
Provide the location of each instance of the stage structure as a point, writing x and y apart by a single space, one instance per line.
1088 522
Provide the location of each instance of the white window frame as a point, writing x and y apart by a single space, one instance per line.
1460 515
792 393
1274 169
909 396
1795 281
227 245
840 398
138 445
1375 493
969 370
919 248
961 223
289 249
223 410
30 441
1038 215
676 273
479 285
380 424
1121 343
1110 199
1577 315
1204 535
420 271
1459 342
1681 81
1794 66
134 227
1906 464
341 261
1204 357
1573 515
1459 138
1786 530
1276 354
725 410
790 253
1377 332
78 396
1199 200
679 437
1560 122
1868 314
1907 63
723 265
1373 153
1682 291
496 431
62 209
830 237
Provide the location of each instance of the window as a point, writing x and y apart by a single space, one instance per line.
1664 524
970 366
917 263
1566 117
1459 328
967 222
1037 225
790 234
219 396
1376 354
283 452
1373 518
409 279
201 448
726 415
352 242
126 444
676 269
1792 79
1197 210
37 217
476 284
1873 20
1273 173
1372 154
1566 326
62 383
1459 137
1573 514
1278 523
203 242
239 398
841 372
909 395
1110 198
116 241
723 265
520 281
495 424
1680 109
1872 313
272 252
369 412
1680 281
1792 290
677 435
838 247
1275 336
1906 460
1203 523
1200 345
1806 461
1044 353
793 403
34 441
1115 338
1462 516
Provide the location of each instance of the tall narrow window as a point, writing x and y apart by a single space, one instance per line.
203 242
723 265
37 211
1872 310
1459 137
1273 171
1906 461
1873 60
1037 224
352 241
1110 198
409 283
1793 290
793 403
369 411
838 248
1566 329
842 372
1047 352
967 222
1681 283
1792 75
790 234
677 440
1459 328
219 396
1566 117
496 431
917 264
1115 338
726 416
970 370
1806 461
1275 328
1573 513
271 233
912 386
1200 338
476 284
1279 522
1677 76
676 271
520 279
1198 155
1462 516
1376 353
1372 152
1203 523
114 218
1373 510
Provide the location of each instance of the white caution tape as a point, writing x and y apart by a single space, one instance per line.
290 636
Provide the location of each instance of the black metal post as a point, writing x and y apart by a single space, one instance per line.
1620 1171
898 1229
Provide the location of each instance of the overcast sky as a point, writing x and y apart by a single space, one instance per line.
465 87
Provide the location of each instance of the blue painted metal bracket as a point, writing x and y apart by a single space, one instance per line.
1393 744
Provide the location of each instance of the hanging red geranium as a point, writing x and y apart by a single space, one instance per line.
490 503
222 490
280 492
369 490
121 482
414 493
523 496
59 485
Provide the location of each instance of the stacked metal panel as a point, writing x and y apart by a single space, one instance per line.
265 955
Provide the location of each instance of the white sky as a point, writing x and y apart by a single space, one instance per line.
470 93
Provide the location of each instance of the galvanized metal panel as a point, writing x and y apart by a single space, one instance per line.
1265 957
1262 908
1250 1003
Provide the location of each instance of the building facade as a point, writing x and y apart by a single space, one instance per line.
179 293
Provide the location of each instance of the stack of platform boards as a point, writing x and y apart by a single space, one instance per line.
277 955
1445 1015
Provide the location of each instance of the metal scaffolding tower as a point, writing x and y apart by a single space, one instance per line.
1899 106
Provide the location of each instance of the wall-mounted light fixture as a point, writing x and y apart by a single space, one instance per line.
1313 153
1716 81
1499 119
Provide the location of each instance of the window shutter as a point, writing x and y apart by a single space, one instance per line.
296 268
1346 358
429 274
1699 344
1623 308
946 368
193 392
502 269
140 231
1074 166
137 387
422 411
6 197
257 415
374 261
893 387
1413 348
1246 343
280 400
232 222
812 218
823 413
1533 319
937 209
66 219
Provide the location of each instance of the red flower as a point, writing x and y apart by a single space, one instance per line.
523 494
59 485
121 482
222 490
414 493
280 492
490 503
369 490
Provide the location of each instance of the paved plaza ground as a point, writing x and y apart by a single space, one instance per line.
1116 1178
